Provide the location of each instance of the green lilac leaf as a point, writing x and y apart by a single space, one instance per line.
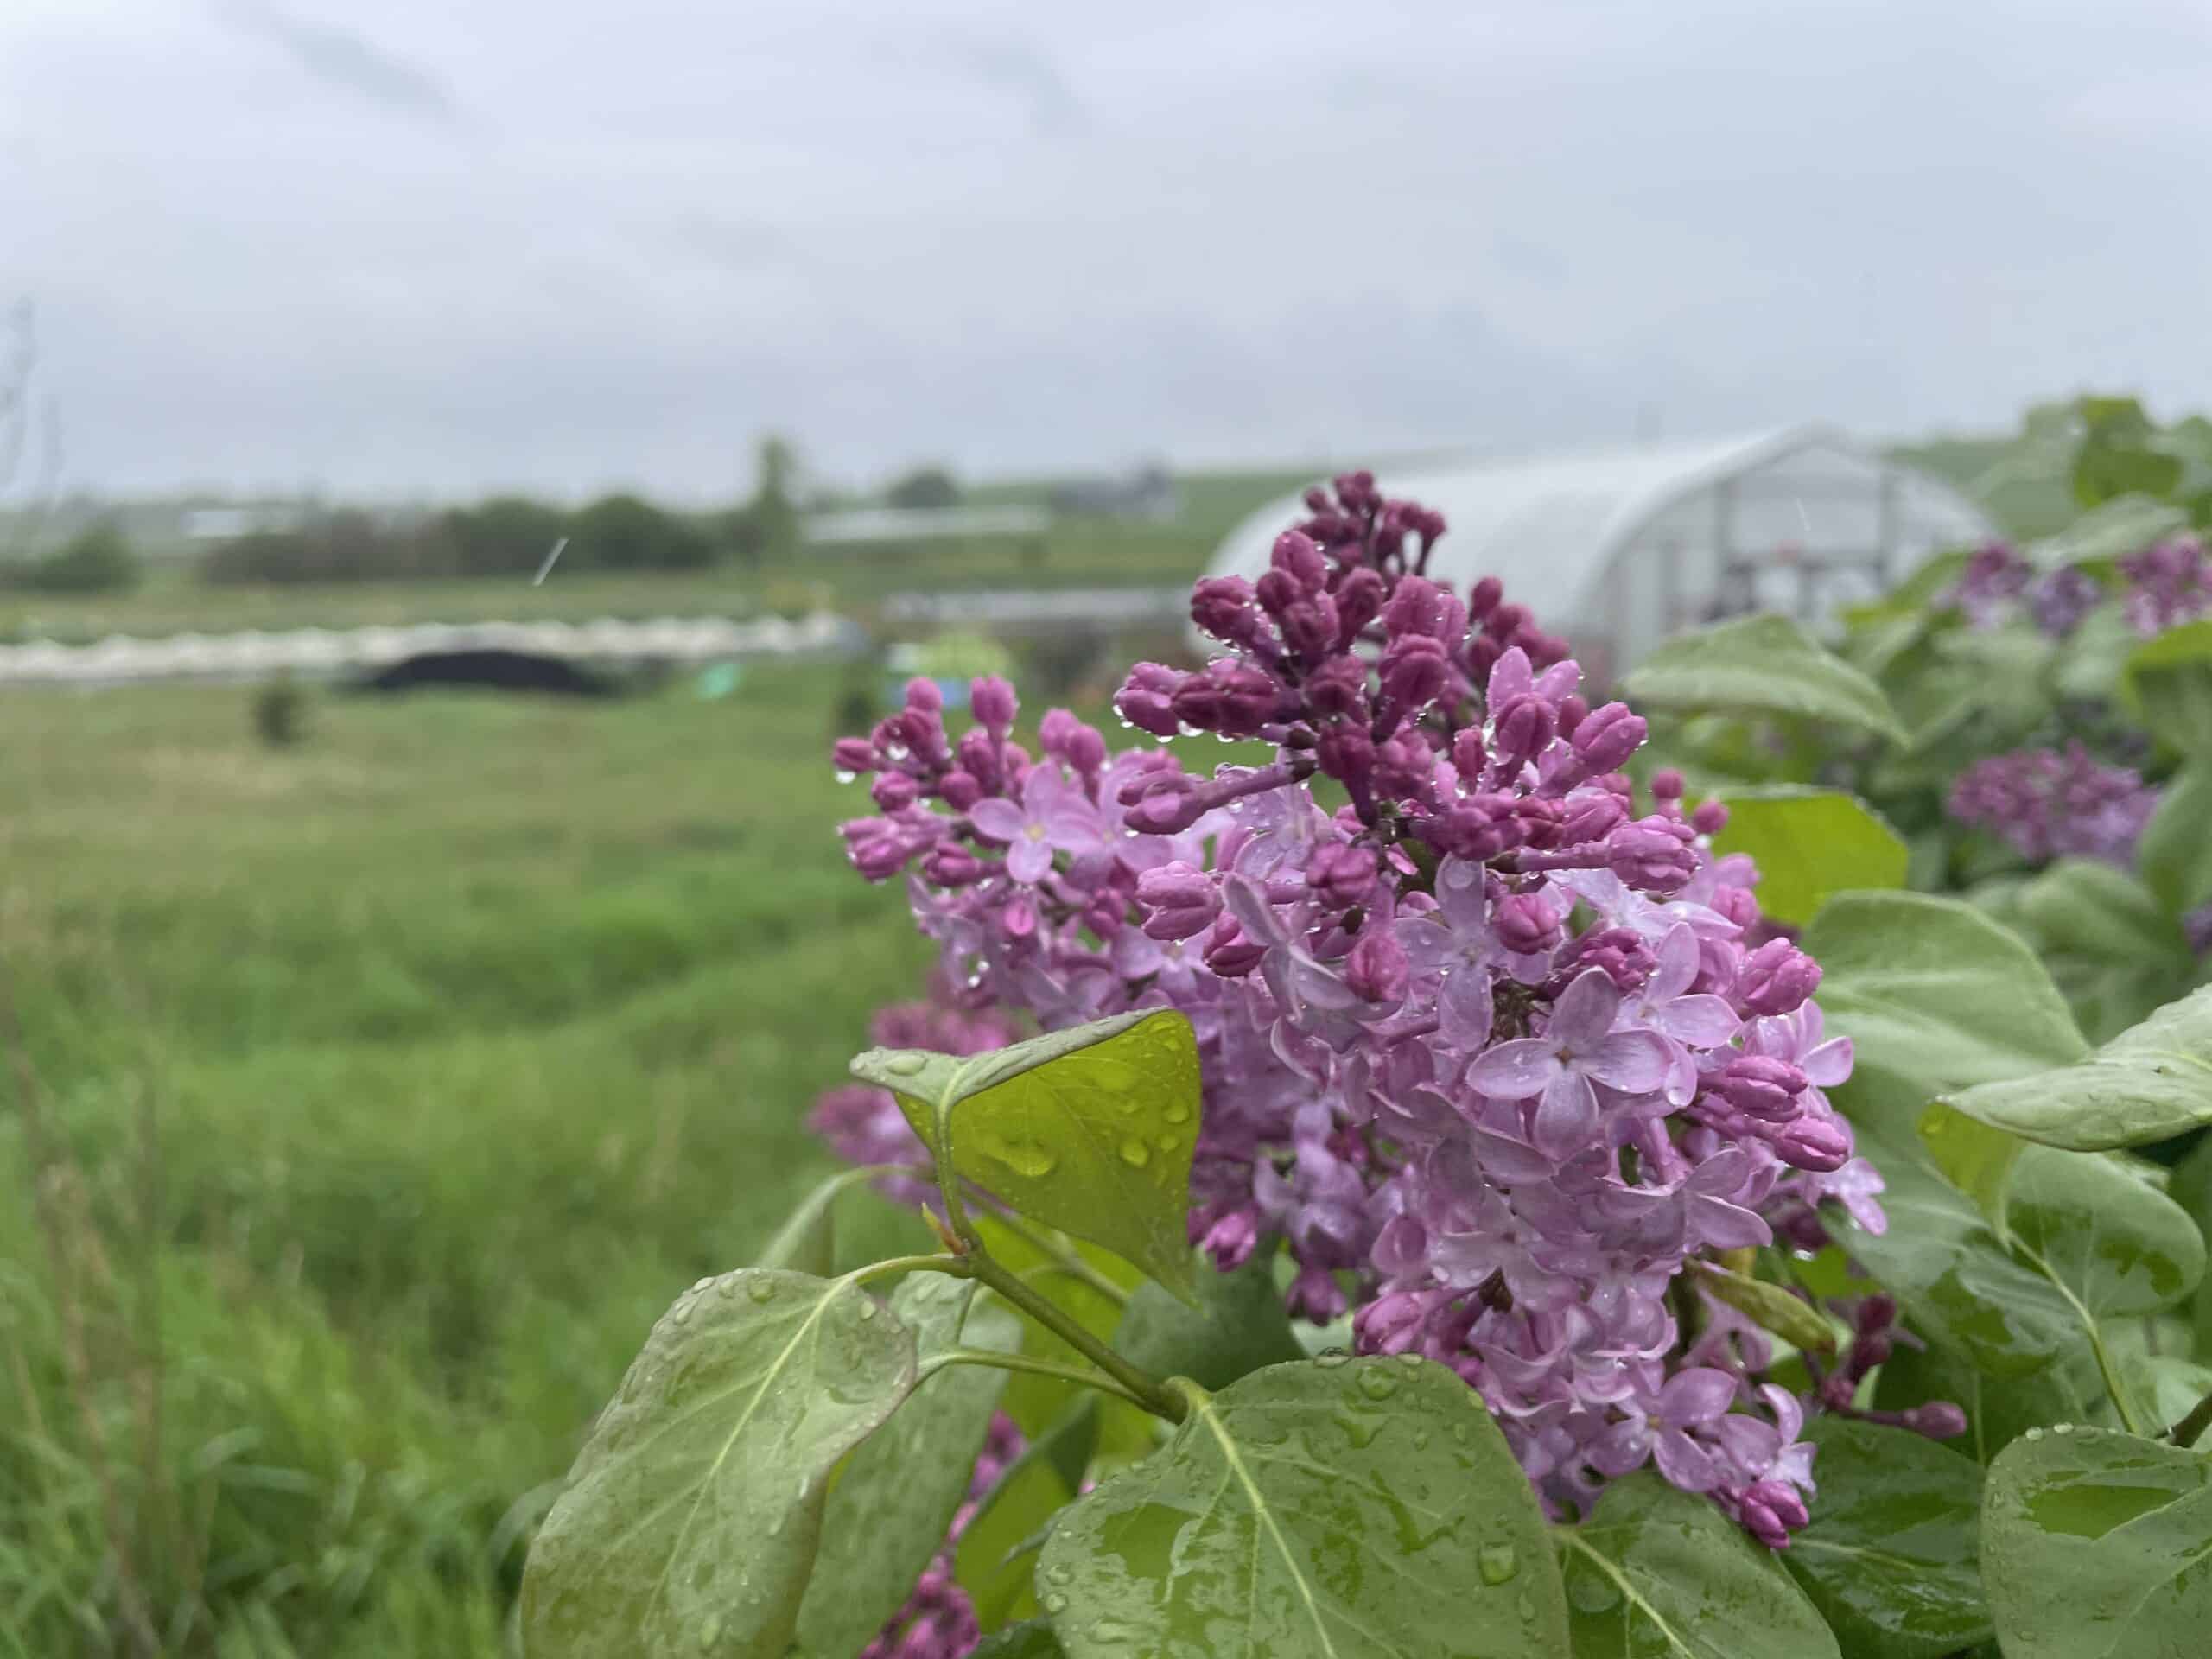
1364 1509
1032 1639
2097 1545
2169 680
995 1559
1761 665
2152 1082
1089 1130
1809 844
1239 1325
893 1501
2175 852
1892 1555
1657 1573
1036 1403
1998 1409
691 1516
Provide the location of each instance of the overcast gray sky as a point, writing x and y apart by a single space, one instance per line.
421 245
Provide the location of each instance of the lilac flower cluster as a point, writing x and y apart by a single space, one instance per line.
2048 804
937 1621
2169 584
1999 582
1494 1051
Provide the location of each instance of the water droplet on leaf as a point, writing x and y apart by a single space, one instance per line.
1377 1384
1135 1153
1497 1563
760 1290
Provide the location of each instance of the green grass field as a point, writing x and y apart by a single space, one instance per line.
393 1085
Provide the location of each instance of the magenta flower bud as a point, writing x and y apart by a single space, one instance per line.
1761 1086
1342 875
1468 757
991 700
1391 1323
1347 754
1572 711
1309 627
1592 815
1667 783
1482 655
1524 729
1814 1143
1482 597
1475 826
1939 1420
1295 555
1228 700
853 754
1315 1295
1607 736
980 759
879 857
1338 689
1147 698
951 865
1226 607
1360 597
1871 1351
1018 921
1780 1499
960 790
1182 901
1652 854
1417 607
1085 749
1377 969
895 791
1162 803
1526 924
1539 820
1277 591
1229 953
923 693
1776 978
1415 669
1504 622
1710 818
1877 1312
1230 1241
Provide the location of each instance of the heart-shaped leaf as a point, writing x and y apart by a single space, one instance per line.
1761 665
2097 1545
1657 1573
1891 1557
893 1500
1810 845
1363 1507
690 1519
1089 1130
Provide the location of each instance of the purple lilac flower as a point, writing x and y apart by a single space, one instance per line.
1493 1052
2171 584
2060 601
1994 578
2049 804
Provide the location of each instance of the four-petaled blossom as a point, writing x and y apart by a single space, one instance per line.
1579 1048
1052 816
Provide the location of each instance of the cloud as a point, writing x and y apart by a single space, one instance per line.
1021 70
348 61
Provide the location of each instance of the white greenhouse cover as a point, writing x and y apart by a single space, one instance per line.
1616 549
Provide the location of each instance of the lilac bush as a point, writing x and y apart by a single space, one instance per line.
1494 1048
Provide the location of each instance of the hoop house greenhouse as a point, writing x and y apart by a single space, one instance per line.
1617 549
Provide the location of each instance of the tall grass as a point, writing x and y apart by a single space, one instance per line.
372 1098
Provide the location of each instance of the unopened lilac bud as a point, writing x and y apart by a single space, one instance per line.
895 791
960 790
1085 748
1607 736
1347 754
1524 728
1871 1351
1504 622
879 857
1814 1143
1776 978
1228 700
1417 607
1229 953
1415 669
951 865
1147 698
1377 969
1592 815
923 693
1360 597
1761 1086
1018 921
991 700
1482 597
1710 818
1468 757
1295 555
1666 784
1162 803
1391 1323
1309 627
1226 607
1526 923
1315 1295
1762 1522
982 760
1939 1420
1653 854
1182 901
1342 875
1572 711
1876 1312
854 754
1230 1241
1780 1499
1338 689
